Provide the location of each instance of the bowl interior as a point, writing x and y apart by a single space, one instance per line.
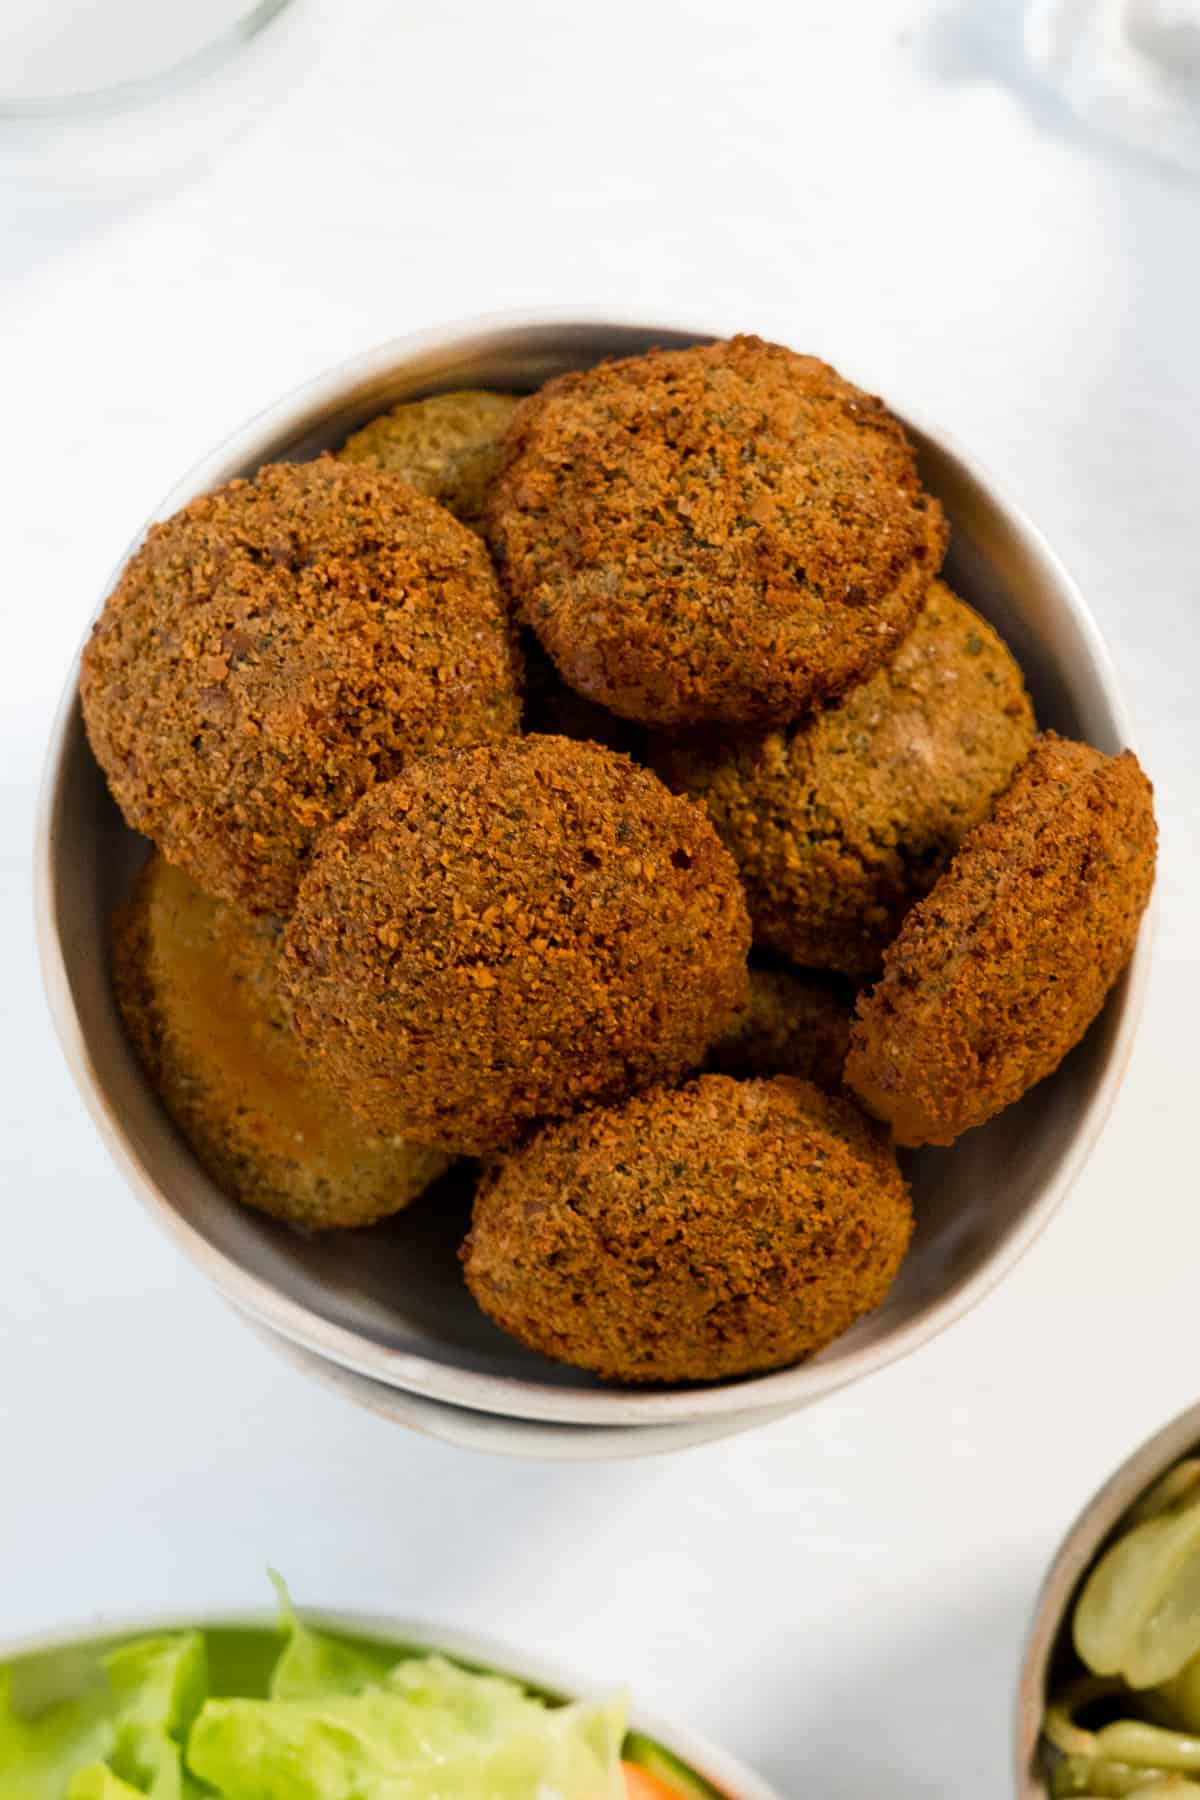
389 1302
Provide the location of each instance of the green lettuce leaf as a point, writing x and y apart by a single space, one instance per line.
314 1666
123 1736
159 1685
429 1731
297 1715
97 1782
38 1757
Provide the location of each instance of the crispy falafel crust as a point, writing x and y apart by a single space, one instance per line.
998 973
839 822
196 983
447 446
794 1024
507 933
691 1234
276 647
730 532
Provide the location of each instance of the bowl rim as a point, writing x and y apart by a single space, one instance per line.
493 1434
719 1767
1076 1553
507 1395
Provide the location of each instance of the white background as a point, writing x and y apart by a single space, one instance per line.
840 1597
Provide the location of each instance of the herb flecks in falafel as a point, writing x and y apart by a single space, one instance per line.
840 821
692 1234
1000 970
725 533
447 446
278 646
512 932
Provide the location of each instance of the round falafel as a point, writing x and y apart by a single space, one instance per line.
508 933
691 1234
1000 970
794 1023
447 446
277 646
726 533
196 983
840 821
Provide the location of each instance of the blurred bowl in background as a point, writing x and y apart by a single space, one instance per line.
111 104
1048 1649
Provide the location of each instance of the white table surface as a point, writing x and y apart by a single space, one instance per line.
840 1597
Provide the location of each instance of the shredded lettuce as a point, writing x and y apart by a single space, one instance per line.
38 1757
338 1720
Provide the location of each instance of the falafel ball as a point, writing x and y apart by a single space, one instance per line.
276 647
447 447
794 1023
196 983
839 822
1000 970
726 533
691 1234
508 933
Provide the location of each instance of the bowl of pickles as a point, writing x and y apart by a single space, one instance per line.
1109 1700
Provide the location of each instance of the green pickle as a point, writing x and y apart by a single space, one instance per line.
1131 1723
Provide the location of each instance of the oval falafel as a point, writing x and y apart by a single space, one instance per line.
794 1023
691 1234
447 446
840 821
1000 970
508 933
196 983
725 533
276 647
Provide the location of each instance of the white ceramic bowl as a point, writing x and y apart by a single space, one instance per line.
389 1304
1048 1646
53 1665
496 1434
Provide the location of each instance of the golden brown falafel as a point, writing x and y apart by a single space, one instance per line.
507 933
447 447
726 533
794 1023
691 1234
839 822
195 980
1000 970
276 647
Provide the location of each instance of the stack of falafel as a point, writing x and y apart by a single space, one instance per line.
392 920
